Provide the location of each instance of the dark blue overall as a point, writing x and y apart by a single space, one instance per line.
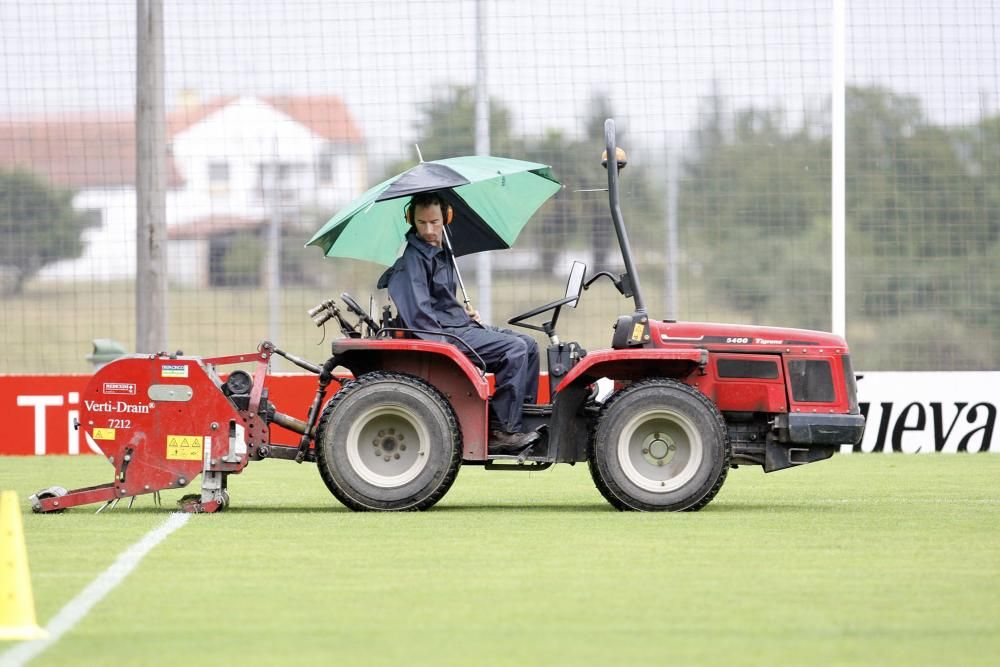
422 285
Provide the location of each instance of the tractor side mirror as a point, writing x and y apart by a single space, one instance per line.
574 285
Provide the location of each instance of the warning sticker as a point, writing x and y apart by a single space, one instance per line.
174 371
637 332
119 388
104 434
184 447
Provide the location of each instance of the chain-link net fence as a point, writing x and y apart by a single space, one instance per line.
923 185
280 112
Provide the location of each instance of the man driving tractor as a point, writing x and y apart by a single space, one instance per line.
422 285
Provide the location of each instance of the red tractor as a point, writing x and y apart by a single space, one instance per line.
686 401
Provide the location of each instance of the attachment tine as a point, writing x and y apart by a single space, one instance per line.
103 507
115 503
131 502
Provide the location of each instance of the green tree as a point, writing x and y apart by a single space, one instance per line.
582 219
924 233
754 204
979 301
920 197
446 128
574 218
38 226
910 188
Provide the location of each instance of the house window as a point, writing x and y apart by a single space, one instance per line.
324 169
218 173
279 180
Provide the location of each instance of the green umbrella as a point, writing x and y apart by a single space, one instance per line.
492 197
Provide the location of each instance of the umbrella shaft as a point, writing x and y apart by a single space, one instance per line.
454 261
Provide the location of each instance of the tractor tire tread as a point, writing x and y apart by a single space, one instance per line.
366 380
710 407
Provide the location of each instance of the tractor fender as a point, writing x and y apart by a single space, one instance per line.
441 365
572 433
635 364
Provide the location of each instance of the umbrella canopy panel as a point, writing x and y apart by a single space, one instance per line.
493 199
425 177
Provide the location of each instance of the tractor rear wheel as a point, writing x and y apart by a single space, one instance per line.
660 445
388 442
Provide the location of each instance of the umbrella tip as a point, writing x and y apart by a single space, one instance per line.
419 155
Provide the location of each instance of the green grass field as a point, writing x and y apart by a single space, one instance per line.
864 559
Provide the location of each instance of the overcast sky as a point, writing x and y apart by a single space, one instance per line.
654 58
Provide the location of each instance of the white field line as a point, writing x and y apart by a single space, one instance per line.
78 607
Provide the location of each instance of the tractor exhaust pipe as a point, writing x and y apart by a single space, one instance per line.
613 165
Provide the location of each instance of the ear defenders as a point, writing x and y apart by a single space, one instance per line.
446 211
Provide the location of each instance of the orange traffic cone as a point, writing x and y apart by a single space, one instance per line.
17 606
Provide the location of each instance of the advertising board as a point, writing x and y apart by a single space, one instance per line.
912 413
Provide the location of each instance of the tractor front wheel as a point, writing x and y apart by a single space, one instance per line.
660 445
388 442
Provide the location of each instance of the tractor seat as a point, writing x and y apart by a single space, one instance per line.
397 322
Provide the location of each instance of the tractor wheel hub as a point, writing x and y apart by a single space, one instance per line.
658 449
389 443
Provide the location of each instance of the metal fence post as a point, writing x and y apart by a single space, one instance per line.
151 181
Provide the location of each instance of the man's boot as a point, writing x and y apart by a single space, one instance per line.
502 442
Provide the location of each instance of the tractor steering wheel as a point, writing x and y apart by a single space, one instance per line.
353 306
574 285
518 320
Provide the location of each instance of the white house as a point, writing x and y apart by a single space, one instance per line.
239 160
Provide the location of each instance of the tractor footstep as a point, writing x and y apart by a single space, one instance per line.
512 462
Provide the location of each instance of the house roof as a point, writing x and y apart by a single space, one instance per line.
91 150
325 115
190 115
98 149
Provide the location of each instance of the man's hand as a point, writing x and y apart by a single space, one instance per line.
473 313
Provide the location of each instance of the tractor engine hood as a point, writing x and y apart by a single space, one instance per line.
728 336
